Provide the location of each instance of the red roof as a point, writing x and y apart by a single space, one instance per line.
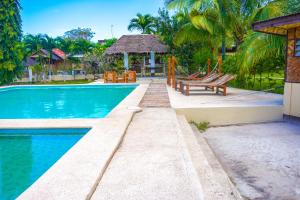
59 53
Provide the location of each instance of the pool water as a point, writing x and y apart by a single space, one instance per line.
57 102
26 154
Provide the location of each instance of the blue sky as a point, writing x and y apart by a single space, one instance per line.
54 17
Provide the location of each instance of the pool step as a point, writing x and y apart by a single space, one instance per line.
215 183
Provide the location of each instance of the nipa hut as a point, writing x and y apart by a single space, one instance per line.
143 44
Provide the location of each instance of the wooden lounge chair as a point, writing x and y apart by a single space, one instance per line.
190 77
206 79
220 84
110 77
194 76
130 77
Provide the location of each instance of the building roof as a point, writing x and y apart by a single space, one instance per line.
279 25
57 54
137 44
29 62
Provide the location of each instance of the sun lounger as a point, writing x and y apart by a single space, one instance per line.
194 76
220 84
190 77
206 79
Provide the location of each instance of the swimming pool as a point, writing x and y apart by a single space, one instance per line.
58 102
25 154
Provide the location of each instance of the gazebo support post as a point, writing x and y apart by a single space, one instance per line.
144 66
126 65
30 73
152 62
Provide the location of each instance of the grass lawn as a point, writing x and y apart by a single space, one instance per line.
57 82
274 81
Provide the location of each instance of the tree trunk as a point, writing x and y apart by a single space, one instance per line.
223 46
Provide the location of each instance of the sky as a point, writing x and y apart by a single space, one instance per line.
106 18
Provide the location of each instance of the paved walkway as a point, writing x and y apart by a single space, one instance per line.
156 96
152 162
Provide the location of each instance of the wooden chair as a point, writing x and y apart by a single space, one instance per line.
122 78
110 77
220 84
130 77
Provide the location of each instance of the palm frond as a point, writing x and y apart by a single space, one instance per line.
257 47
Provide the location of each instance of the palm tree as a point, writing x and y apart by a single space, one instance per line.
33 43
231 21
143 23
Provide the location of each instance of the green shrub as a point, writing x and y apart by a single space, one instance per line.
202 126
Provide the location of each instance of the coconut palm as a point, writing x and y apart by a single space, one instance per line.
209 15
143 23
231 21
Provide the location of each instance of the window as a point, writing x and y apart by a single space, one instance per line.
297 48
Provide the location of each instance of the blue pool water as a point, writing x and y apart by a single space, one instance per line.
57 102
26 154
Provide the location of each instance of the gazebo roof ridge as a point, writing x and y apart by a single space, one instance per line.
138 44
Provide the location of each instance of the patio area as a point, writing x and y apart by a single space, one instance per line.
239 106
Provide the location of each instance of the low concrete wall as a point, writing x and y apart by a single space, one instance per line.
292 99
71 77
61 78
218 116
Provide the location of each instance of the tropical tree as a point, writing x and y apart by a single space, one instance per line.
80 33
210 16
143 23
11 50
64 44
96 59
293 6
33 43
230 21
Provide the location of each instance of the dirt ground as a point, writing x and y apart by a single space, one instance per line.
263 160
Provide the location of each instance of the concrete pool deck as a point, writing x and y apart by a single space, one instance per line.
239 106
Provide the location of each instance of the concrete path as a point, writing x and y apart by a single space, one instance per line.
152 162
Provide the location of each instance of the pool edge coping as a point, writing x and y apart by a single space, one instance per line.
58 123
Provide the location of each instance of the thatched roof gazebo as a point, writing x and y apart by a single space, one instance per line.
137 44
143 44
